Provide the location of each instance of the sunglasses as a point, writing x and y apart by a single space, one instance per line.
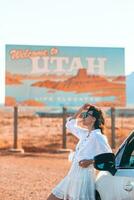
86 114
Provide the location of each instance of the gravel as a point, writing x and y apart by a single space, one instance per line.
30 176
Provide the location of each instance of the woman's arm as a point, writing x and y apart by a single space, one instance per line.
84 107
85 163
71 123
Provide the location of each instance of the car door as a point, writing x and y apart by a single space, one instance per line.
124 176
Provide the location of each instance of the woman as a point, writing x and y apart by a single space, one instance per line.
78 184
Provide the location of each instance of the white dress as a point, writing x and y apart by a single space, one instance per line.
78 184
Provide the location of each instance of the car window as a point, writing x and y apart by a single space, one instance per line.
119 155
131 160
127 160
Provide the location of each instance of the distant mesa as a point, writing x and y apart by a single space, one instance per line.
10 101
12 79
82 82
79 83
97 86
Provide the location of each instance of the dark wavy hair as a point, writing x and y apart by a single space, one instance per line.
99 116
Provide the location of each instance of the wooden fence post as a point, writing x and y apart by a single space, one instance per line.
113 127
64 129
15 140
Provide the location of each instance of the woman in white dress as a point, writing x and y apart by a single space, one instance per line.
78 184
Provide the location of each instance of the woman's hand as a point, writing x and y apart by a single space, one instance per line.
86 106
85 163
78 113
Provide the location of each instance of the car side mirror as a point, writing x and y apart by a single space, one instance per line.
105 162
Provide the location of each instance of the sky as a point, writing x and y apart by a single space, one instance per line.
91 23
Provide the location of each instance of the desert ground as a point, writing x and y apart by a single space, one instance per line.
37 134
32 175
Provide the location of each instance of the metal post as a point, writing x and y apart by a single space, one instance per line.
15 142
64 129
113 127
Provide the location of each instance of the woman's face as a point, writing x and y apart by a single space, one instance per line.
88 120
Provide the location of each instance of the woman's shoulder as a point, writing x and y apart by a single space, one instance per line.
97 134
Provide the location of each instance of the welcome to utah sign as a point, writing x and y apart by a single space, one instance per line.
56 76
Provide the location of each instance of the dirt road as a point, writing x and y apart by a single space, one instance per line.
30 176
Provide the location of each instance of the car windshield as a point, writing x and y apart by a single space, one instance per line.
119 155
125 158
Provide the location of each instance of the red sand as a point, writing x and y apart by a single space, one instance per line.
30 176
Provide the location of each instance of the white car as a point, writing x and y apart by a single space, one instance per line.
116 179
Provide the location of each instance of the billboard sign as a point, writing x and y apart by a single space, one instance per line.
56 76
